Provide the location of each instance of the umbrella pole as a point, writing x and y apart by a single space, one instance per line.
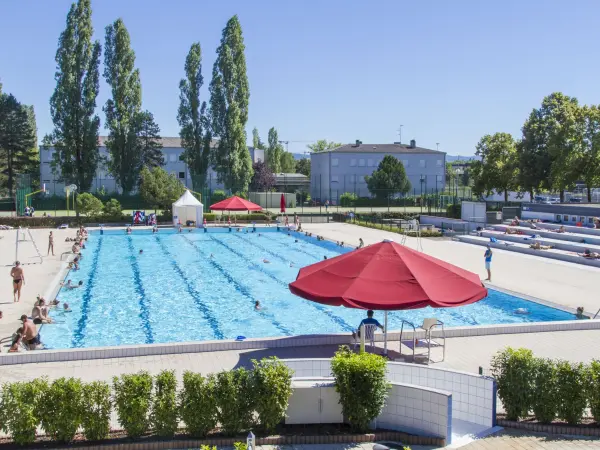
385 329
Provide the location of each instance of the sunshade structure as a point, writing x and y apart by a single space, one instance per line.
282 203
187 208
235 203
387 276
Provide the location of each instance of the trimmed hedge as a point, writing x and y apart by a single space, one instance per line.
146 404
550 388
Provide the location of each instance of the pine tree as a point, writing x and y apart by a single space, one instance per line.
193 120
229 99
17 138
123 109
72 106
149 141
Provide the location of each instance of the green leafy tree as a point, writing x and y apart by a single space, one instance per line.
149 140
389 179
274 152
229 99
303 166
159 189
256 142
123 108
588 157
498 168
17 138
112 210
89 205
192 117
288 163
322 145
533 156
72 106
558 132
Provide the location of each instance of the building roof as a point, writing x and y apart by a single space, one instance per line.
167 142
381 148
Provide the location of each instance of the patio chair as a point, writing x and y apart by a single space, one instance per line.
369 336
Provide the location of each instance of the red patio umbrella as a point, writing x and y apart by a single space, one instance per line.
282 203
387 276
235 204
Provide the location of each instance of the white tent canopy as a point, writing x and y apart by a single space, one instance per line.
187 207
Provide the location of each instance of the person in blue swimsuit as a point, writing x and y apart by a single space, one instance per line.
488 262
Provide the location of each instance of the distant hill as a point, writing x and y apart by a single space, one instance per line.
450 158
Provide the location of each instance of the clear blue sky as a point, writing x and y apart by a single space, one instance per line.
450 72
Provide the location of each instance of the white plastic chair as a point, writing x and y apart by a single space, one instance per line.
369 336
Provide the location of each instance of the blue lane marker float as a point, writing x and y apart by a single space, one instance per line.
239 287
194 294
137 279
341 322
77 341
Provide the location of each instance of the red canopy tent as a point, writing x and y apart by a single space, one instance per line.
235 203
282 203
387 276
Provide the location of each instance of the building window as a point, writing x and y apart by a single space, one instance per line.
558 217
361 162
46 181
352 178
439 163
574 219
334 178
173 157
590 220
405 162
353 162
369 162
566 218
438 178
361 180
582 219
334 162
422 163
181 175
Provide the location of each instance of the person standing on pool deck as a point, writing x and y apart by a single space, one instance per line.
488 262
51 244
18 280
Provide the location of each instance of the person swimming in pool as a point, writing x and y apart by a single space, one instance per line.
266 261
257 306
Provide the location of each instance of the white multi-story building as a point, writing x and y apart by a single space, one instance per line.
172 151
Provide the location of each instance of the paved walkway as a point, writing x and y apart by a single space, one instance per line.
513 439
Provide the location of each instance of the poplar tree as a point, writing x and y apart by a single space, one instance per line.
229 99
72 106
274 151
193 120
123 109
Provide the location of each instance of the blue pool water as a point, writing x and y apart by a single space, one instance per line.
175 292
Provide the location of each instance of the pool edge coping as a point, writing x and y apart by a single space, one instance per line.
89 353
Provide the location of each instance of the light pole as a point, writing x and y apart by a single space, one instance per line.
437 146
400 133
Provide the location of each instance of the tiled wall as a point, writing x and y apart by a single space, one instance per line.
418 410
473 396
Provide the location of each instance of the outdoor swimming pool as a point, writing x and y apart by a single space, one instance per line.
175 292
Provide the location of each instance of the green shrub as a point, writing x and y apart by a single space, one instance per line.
89 205
544 398
241 194
361 382
233 392
454 211
61 408
20 402
217 196
593 388
240 446
513 370
571 391
197 404
132 399
112 210
272 383
164 405
43 222
348 199
96 414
